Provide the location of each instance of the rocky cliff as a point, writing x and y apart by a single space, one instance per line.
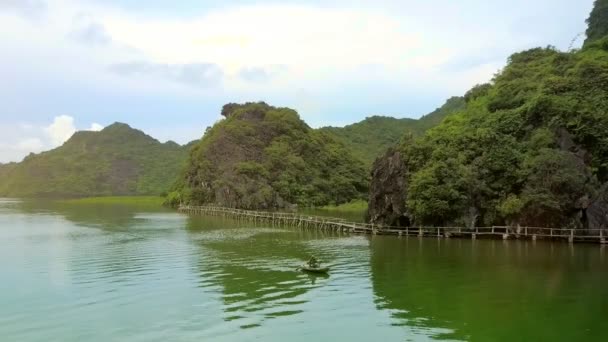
262 156
387 190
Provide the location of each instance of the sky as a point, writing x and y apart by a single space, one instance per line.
167 67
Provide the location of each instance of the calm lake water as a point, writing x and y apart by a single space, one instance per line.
116 273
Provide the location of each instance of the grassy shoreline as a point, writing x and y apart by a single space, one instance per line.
352 206
131 200
355 206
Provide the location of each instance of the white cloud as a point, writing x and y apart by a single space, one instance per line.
61 129
255 49
18 140
31 9
334 61
15 152
88 31
30 145
295 35
95 127
261 74
195 74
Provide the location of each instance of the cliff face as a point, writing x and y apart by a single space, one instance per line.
387 191
261 156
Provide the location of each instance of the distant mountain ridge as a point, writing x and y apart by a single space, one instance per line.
121 160
117 160
369 138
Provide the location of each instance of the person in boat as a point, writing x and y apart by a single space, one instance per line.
313 262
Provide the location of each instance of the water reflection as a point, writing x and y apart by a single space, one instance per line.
491 290
352 215
109 217
149 274
255 268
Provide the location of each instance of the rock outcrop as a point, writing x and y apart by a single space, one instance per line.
388 191
264 157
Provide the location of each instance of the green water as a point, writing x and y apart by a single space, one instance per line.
116 273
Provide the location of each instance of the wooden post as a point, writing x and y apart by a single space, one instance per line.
571 237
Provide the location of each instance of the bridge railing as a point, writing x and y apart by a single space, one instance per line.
541 232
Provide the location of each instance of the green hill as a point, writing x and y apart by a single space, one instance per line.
371 137
261 156
530 148
5 169
117 160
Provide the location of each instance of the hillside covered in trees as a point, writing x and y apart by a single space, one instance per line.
530 148
117 160
369 138
261 156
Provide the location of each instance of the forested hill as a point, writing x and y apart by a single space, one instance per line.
261 156
5 170
117 160
530 148
369 138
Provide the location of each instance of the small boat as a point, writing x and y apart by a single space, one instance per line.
308 268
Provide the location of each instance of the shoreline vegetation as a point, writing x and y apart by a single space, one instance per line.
355 206
116 200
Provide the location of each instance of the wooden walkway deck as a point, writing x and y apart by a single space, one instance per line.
304 221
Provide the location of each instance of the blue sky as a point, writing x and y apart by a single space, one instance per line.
167 67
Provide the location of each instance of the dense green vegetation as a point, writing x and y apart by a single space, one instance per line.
155 201
5 170
530 148
118 160
598 21
369 138
357 206
260 156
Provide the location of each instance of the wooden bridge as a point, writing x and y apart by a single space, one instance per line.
305 221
